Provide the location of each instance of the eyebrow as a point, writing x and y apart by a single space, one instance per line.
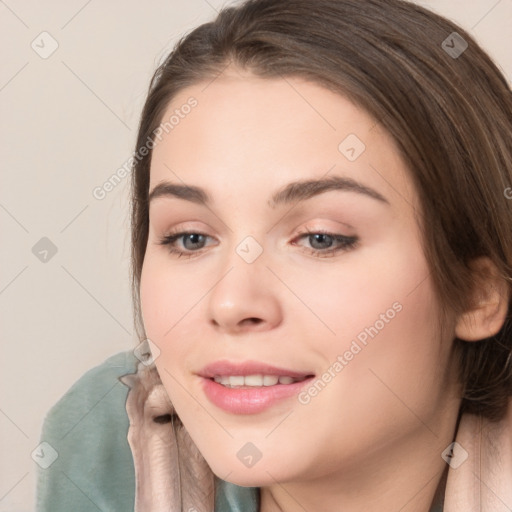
294 191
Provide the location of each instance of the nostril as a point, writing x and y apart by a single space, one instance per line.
253 320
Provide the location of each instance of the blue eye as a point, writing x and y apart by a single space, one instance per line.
326 244
194 238
323 244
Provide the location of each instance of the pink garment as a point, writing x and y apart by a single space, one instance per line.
172 476
483 482
170 473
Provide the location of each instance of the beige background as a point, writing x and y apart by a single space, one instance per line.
68 122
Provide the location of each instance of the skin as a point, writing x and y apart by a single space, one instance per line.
372 439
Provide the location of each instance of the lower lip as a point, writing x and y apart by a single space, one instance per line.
249 401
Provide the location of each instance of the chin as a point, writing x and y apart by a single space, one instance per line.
259 475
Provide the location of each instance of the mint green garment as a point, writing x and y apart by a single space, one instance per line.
94 468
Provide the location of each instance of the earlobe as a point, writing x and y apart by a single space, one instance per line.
489 303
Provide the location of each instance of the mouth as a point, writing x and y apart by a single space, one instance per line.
252 370
250 387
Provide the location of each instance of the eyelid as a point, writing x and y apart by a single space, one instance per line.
349 241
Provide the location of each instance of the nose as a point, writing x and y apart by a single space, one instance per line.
246 298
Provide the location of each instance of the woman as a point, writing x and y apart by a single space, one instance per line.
322 262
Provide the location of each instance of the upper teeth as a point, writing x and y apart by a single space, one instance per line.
254 380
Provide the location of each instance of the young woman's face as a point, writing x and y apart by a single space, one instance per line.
254 283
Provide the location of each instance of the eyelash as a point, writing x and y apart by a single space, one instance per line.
346 243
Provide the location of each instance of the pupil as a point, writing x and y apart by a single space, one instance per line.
319 236
193 237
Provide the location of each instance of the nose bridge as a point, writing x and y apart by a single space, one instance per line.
245 292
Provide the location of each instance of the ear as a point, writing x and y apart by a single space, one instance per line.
488 303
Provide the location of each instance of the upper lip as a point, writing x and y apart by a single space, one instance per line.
245 368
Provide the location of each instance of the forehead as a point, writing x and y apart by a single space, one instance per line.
250 133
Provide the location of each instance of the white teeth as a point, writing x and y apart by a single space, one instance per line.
253 380
237 380
270 380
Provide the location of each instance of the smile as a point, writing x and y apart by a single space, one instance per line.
258 380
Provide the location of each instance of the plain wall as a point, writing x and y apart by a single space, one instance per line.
68 122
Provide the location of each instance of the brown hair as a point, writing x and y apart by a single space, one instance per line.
450 115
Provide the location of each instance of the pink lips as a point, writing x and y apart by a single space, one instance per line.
249 400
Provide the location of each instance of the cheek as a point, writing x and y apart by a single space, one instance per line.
164 297
171 301
398 378
393 362
384 317
152 298
364 292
